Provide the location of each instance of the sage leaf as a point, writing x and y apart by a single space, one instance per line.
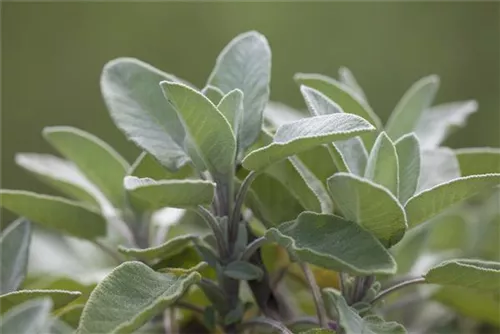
129 296
245 64
438 122
59 298
299 136
147 166
98 161
231 106
149 194
408 150
66 216
242 270
476 274
438 165
347 78
382 166
407 113
169 248
370 205
276 114
482 160
213 93
138 108
14 245
433 201
31 317
322 240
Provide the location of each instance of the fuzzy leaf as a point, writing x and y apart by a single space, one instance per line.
299 136
31 317
438 165
410 108
147 166
480 275
245 64
171 247
129 296
209 132
138 108
59 298
213 93
482 160
241 270
432 202
347 78
408 150
277 114
98 161
382 166
66 216
231 106
439 121
370 205
326 241
14 246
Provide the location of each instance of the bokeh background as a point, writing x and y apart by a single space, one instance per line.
53 53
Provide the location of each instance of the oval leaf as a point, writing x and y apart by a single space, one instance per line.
244 271
481 160
129 296
147 166
299 136
438 165
170 248
14 245
382 166
245 64
432 202
231 106
59 298
66 216
322 240
370 205
27 318
213 93
408 150
347 78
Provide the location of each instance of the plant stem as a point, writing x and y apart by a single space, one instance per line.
267 322
253 247
212 222
401 285
316 293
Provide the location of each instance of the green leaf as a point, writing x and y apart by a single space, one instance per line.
334 243
349 155
71 314
208 130
319 331
437 166
60 174
382 166
481 160
370 205
480 275
31 317
213 93
351 321
170 248
245 271
98 161
319 162
138 108
231 107
149 194
432 202
408 150
277 114
410 249
245 63
347 78
147 166
437 122
14 245
129 296
449 232
299 136
59 298
407 113
66 216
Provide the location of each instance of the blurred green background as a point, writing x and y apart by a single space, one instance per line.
52 55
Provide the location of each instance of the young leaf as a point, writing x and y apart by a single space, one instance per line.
98 161
432 202
129 296
323 240
347 78
14 245
208 130
62 175
408 150
231 106
59 298
299 136
148 194
66 216
353 323
382 166
437 166
28 318
242 270
480 275
370 205
138 108
213 93
482 160
147 166
171 247
245 64
409 109
439 121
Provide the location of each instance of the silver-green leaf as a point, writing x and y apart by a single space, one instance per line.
31 317
59 298
242 270
481 160
169 248
382 166
408 150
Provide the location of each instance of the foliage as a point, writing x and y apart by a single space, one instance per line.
240 210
